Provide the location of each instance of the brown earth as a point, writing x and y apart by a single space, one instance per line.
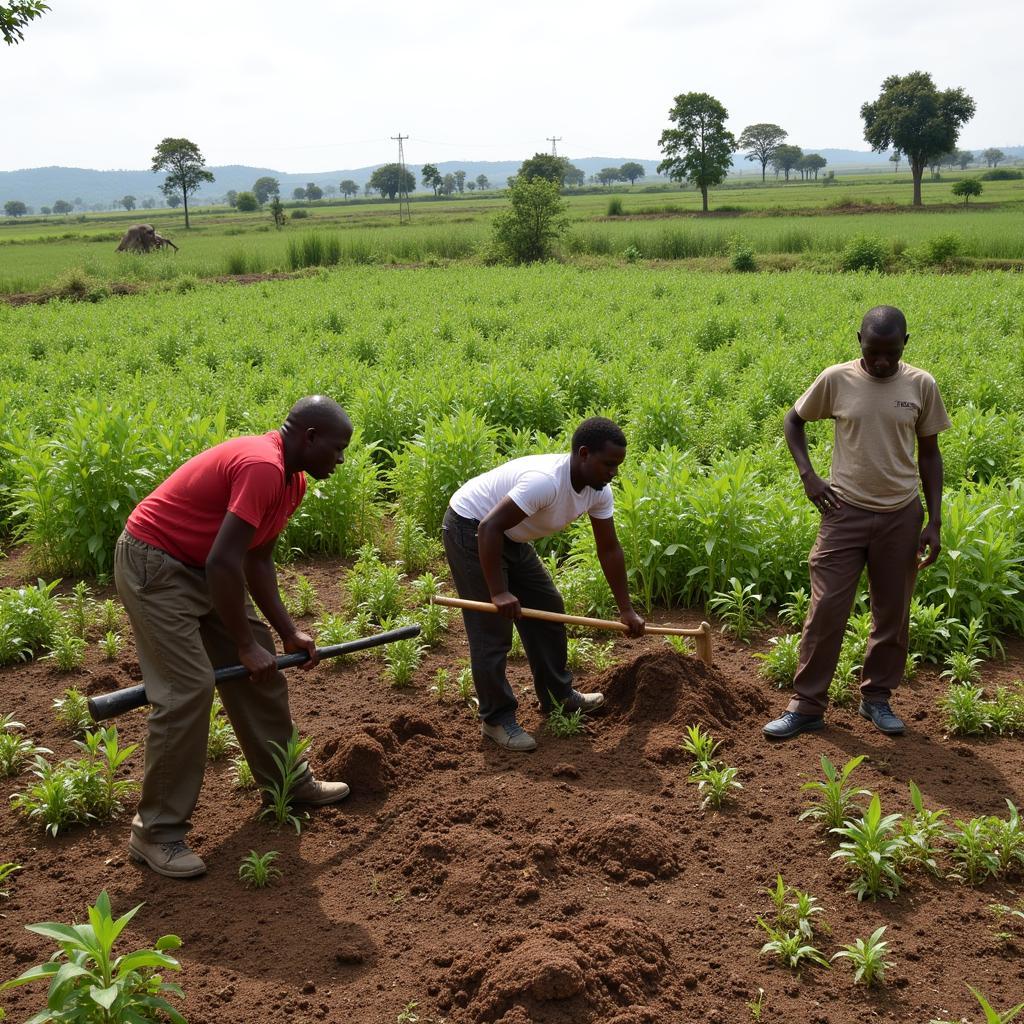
578 884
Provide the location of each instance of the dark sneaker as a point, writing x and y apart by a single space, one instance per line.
510 735
316 793
585 702
175 860
792 723
881 714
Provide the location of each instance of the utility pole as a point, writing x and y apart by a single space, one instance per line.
404 210
554 140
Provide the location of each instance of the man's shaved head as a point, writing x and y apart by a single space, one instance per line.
319 412
884 322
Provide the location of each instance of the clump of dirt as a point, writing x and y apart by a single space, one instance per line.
628 846
589 972
676 690
361 762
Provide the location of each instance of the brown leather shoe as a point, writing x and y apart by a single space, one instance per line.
316 793
175 860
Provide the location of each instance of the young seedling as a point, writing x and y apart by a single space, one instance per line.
716 784
789 947
967 712
221 737
16 752
241 773
257 869
874 848
780 663
402 658
756 1005
72 711
801 911
442 680
962 669
795 610
836 799
992 1015
466 689
408 1014
67 651
307 601
52 800
80 612
1006 841
844 680
972 851
109 616
738 608
868 958
94 777
87 981
701 746
291 766
7 870
562 723
923 833
1004 913
682 645
111 645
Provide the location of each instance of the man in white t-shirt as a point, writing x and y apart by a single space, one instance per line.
487 532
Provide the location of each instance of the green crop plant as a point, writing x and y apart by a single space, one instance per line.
94 776
836 800
517 650
257 870
562 723
305 600
402 658
992 1015
442 680
7 872
465 687
756 1005
868 958
111 644
334 629
584 654
790 948
931 630
67 651
16 751
682 645
976 641
794 611
290 761
89 983
408 1014
701 746
108 615
966 710
972 852
72 711
52 801
221 738
1006 841
415 548
375 588
780 663
29 618
778 894
1006 711
801 911
924 833
716 784
873 847
844 681
241 773
80 610
962 669
738 608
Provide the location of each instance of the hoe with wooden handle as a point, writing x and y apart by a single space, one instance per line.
701 635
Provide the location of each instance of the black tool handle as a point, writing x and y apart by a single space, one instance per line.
110 705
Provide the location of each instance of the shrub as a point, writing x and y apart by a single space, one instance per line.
528 229
967 187
864 252
1002 174
741 255
615 207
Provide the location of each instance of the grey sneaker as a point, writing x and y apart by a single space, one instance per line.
510 735
316 793
175 860
585 702
792 723
882 715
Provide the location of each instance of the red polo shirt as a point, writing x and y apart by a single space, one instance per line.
244 475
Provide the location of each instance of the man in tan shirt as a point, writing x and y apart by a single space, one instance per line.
871 516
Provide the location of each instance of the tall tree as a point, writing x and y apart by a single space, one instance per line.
185 166
264 188
348 188
62 206
574 177
482 182
631 171
544 165
313 192
992 157
128 202
431 177
460 181
390 179
15 208
760 142
785 158
896 157
246 202
699 149
811 163
963 158
448 184
915 117
15 15
298 193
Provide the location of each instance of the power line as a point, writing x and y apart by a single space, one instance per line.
404 209
554 140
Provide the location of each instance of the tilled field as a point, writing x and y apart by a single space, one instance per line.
581 883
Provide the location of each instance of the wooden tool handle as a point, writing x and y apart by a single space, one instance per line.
702 633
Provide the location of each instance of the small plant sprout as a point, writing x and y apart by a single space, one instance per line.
801 911
408 1014
923 833
94 777
836 799
716 784
72 711
1004 916
402 658
756 1005
992 1015
109 616
89 983
780 663
257 870
221 738
442 680
1006 841
680 644
466 689
51 801
966 710
777 893
795 610
562 723
67 651
874 848
844 680
962 668
7 870
80 612
290 760
517 649
738 608
16 752
111 645
868 958
307 601
972 852
242 773
789 948
701 746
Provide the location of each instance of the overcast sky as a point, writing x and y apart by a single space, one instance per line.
322 85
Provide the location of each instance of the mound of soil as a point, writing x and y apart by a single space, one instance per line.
361 762
592 971
666 687
626 846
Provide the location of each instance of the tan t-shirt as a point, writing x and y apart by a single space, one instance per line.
877 423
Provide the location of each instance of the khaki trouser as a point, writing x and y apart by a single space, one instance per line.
180 641
849 539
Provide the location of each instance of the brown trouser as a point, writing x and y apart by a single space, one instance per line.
848 539
180 640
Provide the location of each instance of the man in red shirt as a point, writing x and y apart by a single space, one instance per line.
188 554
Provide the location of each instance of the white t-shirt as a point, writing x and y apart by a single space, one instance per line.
541 486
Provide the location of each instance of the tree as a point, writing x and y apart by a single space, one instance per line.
174 201
128 202
265 187
918 119
992 157
785 158
148 203
471 185
62 206
330 190
546 166
277 212
299 193
896 157
963 158
574 177
535 217
313 192
811 163
349 188
231 196
390 179
185 164
699 149
45 211
630 171
760 141
15 208
431 177
967 187
609 175
482 182
460 181
15 15
448 184
246 202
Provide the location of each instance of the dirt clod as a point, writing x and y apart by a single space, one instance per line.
362 763
627 843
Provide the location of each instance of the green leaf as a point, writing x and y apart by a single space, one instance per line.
104 996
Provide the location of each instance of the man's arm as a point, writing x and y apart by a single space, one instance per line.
613 564
929 464
490 536
818 491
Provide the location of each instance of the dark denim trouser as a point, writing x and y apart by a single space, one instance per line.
490 636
